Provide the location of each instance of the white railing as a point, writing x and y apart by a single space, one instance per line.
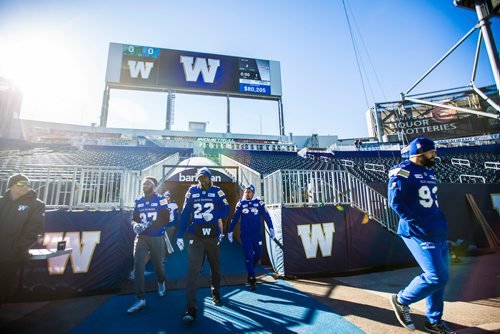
465 178
347 163
298 188
492 165
374 167
460 162
75 187
245 175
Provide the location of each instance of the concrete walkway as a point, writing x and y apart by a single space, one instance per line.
472 301
472 297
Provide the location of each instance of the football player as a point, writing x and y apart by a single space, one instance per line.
251 209
204 205
150 216
412 192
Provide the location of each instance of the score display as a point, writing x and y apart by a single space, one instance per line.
151 68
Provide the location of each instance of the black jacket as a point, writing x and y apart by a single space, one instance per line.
21 221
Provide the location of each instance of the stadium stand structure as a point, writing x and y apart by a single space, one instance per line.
268 162
133 158
465 164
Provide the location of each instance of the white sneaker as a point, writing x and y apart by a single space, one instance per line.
137 306
161 289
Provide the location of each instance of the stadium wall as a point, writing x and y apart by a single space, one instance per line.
331 240
461 221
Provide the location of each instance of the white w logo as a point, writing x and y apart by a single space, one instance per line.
139 67
206 231
200 65
81 255
317 234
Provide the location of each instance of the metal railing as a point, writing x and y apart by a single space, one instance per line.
374 167
466 178
298 188
460 162
245 175
492 165
75 187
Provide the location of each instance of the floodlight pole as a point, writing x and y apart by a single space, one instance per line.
489 42
105 107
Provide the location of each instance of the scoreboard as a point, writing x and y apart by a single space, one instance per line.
151 68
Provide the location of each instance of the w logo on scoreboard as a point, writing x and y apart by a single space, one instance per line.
193 67
141 68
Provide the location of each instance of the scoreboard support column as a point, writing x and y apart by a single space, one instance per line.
280 117
105 107
228 115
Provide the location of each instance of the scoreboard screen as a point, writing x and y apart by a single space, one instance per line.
151 68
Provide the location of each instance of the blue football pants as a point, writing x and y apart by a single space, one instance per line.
433 258
252 248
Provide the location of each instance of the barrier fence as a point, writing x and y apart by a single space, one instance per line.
75 187
299 188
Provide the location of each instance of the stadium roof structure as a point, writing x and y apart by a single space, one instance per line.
494 5
485 9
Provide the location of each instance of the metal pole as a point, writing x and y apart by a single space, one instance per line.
442 58
488 40
105 106
470 111
486 97
169 121
476 58
228 115
280 117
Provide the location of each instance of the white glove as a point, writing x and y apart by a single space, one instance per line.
207 216
230 236
271 233
180 243
139 228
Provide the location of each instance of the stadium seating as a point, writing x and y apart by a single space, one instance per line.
373 166
268 162
448 169
133 158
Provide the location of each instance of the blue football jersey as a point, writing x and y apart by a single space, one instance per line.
198 202
412 192
251 212
148 211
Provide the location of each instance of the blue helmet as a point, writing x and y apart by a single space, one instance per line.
203 171
251 187
167 193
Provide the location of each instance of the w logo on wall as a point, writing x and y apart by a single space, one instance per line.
314 235
83 245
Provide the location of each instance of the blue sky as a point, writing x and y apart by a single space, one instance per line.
57 52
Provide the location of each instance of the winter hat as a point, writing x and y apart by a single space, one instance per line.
421 145
16 178
251 187
203 171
